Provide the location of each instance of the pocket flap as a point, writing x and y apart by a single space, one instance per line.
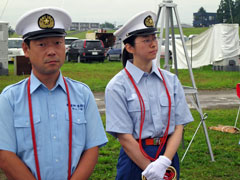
164 101
24 121
77 117
134 104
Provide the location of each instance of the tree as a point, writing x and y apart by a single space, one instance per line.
201 15
225 11
10 31
236 12
107 25
202 10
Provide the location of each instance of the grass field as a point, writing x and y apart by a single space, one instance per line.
197 164
97 75
186 31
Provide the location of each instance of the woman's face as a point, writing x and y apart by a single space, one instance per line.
145 48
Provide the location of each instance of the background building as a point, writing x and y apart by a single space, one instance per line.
82 26
204 19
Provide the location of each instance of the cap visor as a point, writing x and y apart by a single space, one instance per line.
45 35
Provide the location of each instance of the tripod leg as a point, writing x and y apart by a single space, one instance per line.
166 65
235 125
168 12
208 141
161 9
191 141
173 44
184 47
158 15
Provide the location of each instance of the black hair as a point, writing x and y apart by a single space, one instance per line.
27 41
126 55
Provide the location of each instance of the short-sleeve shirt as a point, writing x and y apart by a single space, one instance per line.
123 111
51 122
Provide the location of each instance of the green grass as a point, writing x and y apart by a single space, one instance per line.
206 78
97 75
186 31
197 164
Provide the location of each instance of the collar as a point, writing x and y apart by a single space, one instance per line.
137 73
35 83
155 70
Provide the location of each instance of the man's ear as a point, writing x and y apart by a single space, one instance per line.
25 48
129 48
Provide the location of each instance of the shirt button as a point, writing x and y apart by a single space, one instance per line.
54 137
52 115
78 120
57 160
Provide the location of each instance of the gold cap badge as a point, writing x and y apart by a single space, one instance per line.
46 21
148 21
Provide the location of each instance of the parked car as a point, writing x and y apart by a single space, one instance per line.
115 52
86 50
178 36
163 49
14 48
68 41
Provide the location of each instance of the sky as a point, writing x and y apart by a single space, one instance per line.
114 11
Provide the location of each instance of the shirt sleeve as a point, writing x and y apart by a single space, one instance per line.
118 119
7 131
95 135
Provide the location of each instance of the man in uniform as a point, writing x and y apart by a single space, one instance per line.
50 127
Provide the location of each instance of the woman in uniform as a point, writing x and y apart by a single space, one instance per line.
146 108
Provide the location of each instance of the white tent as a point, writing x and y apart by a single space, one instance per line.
217 43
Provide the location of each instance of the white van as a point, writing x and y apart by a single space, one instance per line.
178 36
14 48
68 41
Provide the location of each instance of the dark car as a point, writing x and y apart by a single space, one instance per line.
85 50
115 52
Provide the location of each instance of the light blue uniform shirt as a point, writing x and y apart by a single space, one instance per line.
123 112
51 121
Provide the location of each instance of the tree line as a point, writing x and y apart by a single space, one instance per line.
229 11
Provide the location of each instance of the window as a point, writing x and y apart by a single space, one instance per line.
14 43
211 18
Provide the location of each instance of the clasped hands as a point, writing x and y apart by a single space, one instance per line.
157 169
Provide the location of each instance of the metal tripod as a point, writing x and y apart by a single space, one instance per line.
166 8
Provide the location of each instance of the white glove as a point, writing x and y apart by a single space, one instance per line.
157 169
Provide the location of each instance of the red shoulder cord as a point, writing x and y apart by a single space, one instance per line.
142 106
33 130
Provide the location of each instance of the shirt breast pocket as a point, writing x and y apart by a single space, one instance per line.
134 108
23 132
78 128
164 104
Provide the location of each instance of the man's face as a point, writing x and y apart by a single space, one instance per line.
47 55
